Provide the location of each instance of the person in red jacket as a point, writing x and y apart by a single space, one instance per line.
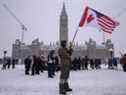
123 62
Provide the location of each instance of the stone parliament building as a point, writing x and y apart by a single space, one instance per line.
90 48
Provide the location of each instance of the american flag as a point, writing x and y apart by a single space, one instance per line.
104 22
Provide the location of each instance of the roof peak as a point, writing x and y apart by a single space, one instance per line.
63 9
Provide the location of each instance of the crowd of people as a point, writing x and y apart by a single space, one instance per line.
36 64
9 63
84 63
33 65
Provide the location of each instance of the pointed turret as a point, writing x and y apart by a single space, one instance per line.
63 12
63 25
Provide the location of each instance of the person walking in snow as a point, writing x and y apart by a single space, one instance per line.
27 63
86 62
123 62
51 62
34 69
65 65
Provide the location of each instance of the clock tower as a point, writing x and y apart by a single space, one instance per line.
63 25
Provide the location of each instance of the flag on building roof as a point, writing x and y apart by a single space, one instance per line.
95 18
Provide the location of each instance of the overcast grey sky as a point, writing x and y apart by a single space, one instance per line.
42 19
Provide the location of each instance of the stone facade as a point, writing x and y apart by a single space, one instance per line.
90 49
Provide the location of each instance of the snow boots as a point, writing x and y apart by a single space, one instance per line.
67 88
124 67
62 89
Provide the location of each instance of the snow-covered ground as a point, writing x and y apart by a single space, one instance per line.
92 82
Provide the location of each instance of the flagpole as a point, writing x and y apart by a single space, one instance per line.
103 37
75 34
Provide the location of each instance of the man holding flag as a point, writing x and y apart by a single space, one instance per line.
65 65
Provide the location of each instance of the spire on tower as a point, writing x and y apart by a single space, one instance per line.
63 25
63 12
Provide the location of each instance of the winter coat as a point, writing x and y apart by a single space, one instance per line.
123 60
64 55
65 60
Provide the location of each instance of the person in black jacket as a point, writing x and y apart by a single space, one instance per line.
51 62
8 62
27 63
57 67
86 62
